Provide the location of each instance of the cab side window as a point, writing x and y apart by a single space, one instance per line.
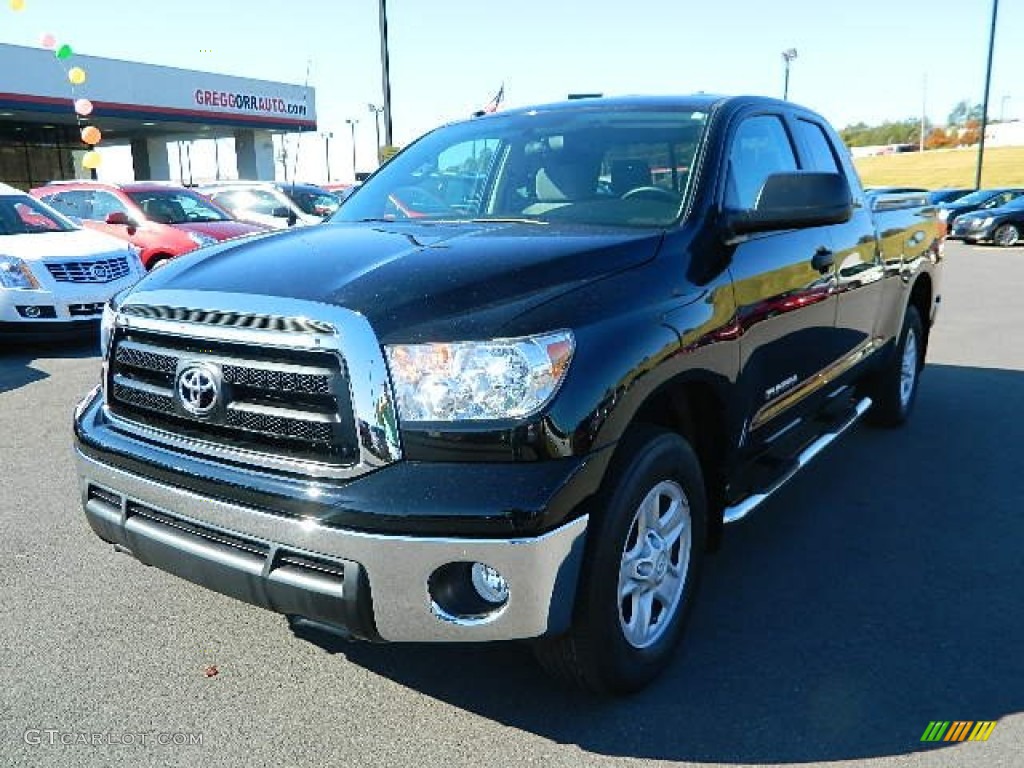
818 147
760 147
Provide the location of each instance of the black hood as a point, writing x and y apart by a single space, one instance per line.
415 281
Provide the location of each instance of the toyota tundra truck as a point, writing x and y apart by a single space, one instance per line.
526 411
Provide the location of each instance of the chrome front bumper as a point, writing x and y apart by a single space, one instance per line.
287 565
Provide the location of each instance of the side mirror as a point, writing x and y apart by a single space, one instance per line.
281 212
292 218
120 218
794 201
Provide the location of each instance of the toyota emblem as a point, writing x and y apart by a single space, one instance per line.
198 389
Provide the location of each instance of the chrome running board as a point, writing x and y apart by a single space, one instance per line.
740 510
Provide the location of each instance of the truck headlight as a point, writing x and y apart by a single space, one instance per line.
478 380
202 240
14 273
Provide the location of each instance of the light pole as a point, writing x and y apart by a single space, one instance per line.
787 57
984 105
385 71
327 153
352 125
376 122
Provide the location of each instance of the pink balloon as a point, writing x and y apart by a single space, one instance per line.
48 41
83 107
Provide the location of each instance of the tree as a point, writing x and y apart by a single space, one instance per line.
904 132
964 112
939 139
971 134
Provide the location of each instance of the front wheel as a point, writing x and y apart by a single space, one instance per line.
645 547
1007 235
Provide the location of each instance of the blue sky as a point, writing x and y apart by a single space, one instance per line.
865 60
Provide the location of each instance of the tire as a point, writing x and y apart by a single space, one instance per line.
894 389
1006 235
636 589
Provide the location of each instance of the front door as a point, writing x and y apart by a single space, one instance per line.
786 307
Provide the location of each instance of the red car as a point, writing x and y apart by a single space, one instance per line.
163 220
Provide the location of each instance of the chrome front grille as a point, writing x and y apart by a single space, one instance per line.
282 381
280 402
94 271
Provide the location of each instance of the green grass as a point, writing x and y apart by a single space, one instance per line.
1004 166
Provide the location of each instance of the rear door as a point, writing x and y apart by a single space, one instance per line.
786 306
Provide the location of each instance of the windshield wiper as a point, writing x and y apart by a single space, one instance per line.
508 220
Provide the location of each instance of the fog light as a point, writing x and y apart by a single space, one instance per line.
489 584
467 593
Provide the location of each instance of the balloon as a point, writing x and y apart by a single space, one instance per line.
83 107
17 5
91 134
64 52
48 41
91 159
76 75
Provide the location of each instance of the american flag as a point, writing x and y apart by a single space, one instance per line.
493 104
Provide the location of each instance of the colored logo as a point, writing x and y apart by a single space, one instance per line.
958 730
198 389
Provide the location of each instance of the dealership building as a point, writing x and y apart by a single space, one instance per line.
139 106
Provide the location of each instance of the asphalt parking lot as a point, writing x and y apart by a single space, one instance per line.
878 592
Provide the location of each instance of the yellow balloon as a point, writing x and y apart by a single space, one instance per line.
92 159
76 75
17 5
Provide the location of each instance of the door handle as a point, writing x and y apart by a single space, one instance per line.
823 259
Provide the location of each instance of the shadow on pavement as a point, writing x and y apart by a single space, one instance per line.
879 591
16 358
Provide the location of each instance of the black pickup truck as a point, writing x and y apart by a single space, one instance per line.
516 386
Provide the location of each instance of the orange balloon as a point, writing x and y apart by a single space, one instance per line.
91 134
91 159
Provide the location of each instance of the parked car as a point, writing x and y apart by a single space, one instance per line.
163 220
892 190
1003 226
982 200
529 414
55 276
273 204
947 195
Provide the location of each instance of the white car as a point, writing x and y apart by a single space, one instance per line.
54 275
274 204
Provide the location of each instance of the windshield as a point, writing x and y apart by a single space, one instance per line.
24 215
314 202
177 206
621 167
975 198
1016 203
